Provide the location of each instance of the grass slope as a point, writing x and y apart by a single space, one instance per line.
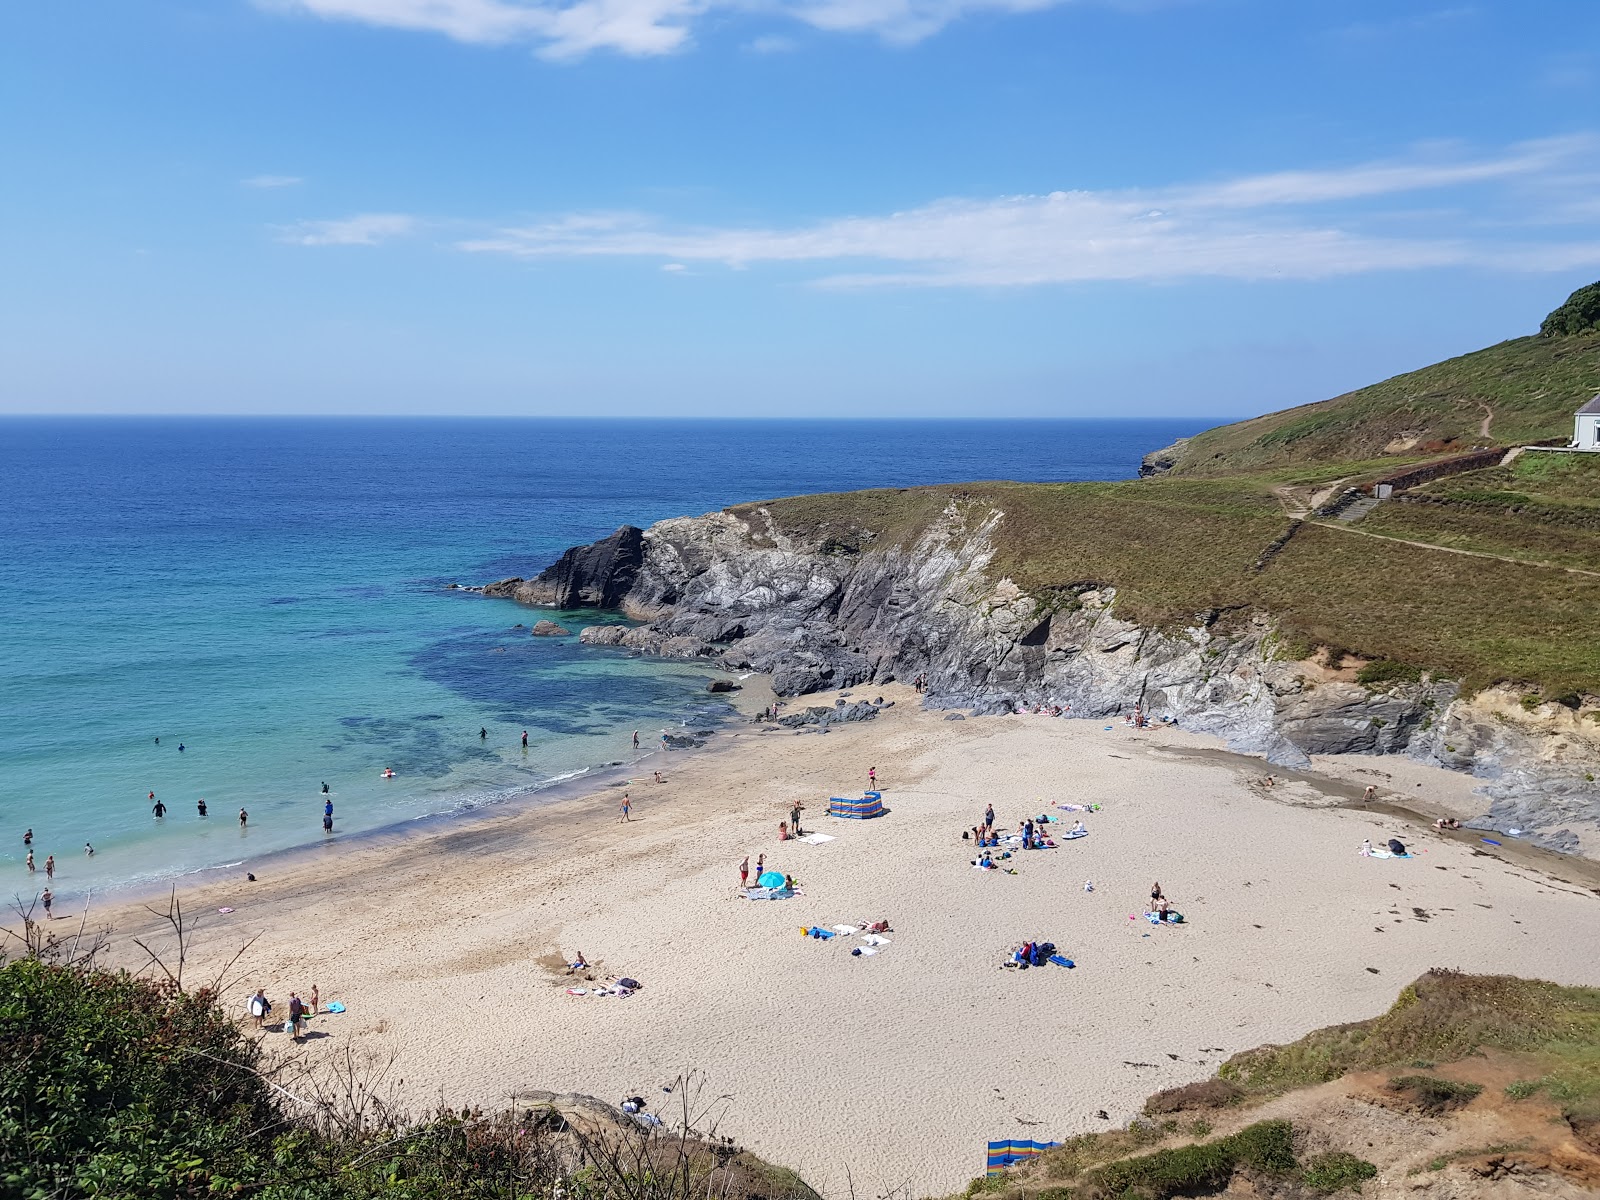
1177 549
1527 388
1546 1035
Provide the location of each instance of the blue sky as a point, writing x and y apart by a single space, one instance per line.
780 207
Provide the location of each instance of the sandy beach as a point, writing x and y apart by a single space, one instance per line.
898 1067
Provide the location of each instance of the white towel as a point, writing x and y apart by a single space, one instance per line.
847 930
874 939
867 952
816 839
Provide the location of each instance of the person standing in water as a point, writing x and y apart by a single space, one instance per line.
324 787
635 739
524 739
27 838
31 867
159 809
50 866
88 850
180 747
200 806
244 818
483 734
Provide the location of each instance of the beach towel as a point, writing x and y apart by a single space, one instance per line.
874 939
336 1007
864 951
1073 834
846 930
816 839
816 931
1377 853
767 893
224 910
1062 960
1003 1154
577 991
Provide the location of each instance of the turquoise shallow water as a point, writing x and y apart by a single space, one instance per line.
271 596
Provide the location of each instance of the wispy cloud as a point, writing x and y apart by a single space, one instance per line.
640 27
364 229
272 181
1294 224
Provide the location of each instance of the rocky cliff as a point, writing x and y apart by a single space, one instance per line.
817 610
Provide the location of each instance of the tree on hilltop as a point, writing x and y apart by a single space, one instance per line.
1579 314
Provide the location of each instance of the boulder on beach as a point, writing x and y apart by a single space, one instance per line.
722 685
549 629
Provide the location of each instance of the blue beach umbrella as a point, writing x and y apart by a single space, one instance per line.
772 879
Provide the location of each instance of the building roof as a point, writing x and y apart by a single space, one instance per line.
1592 407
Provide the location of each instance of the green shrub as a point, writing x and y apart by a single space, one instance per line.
1337 1170
1266 1147
1521 1089
1388 670
1579 314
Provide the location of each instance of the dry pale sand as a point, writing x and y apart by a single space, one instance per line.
896 1068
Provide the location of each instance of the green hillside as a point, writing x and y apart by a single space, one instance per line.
1520 391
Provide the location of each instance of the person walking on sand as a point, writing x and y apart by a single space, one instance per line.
50 866
297 1016
988 816
872 777
627 806
48 898
260 1006
744 872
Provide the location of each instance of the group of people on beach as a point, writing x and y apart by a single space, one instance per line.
299 1010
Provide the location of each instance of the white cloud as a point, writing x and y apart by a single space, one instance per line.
364 229
272 181
1297 224
640 27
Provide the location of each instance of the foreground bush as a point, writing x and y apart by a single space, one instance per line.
120 1088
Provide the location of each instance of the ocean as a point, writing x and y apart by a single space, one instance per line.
268 598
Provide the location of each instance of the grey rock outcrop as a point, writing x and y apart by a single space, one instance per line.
1159 462
817 612
549 629
818 715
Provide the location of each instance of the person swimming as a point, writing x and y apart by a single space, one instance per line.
388 773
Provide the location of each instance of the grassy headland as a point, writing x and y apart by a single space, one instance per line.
1481 577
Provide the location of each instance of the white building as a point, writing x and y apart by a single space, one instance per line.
1586 427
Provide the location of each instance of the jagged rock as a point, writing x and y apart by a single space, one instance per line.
954 717
680 741
594 576
723 685
818 715
1159 462
549 629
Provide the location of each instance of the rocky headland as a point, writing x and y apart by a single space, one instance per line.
743 590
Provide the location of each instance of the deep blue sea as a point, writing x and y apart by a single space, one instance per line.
270 596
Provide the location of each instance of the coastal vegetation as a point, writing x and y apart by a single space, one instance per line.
119 1086
1418 1061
